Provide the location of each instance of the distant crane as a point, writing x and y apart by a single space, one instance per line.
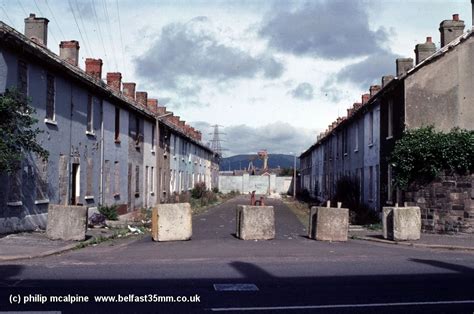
264 156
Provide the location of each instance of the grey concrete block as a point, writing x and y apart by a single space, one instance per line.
66 222
328 223
172 222
401 223
255 222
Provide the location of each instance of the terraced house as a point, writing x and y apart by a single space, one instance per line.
436 90
108 144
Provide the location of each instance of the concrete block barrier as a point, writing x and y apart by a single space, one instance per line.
66 222
172 222
401 223
255 222
328 223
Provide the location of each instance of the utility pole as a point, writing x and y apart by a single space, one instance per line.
294 176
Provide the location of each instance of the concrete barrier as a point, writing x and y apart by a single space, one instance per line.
328 223
66 222
255 222
172 222
401 223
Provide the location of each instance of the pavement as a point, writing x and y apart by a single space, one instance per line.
29 245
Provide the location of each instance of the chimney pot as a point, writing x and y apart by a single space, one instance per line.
141 98
152 104
69 51
429 39
374 89
114 80
455 17
36 29
94 68
386 79
128 89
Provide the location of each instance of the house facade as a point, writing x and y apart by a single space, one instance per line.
107 143
437 91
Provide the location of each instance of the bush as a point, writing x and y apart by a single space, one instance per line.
422 154
215 190
198 191
110 212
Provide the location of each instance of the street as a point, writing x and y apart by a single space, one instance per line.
289 274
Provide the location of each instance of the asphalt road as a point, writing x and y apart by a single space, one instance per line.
289 274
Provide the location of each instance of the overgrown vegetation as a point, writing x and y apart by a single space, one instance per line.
422 154
18 135
348 193
109 211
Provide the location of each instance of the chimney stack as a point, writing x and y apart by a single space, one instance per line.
365 98
128 90
94 68
451 29
423 51
374 89
160 110
69 51
141 98
386 79
403 65
152 104
36 29
114 80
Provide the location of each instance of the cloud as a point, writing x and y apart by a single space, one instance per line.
303 91
370 70
277 137
191 51
326 29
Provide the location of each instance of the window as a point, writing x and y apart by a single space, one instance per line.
371 128
137 131
90 178
50 95
174 145
371 183
117 124
344 141
22 77
390 118
389 184
137 180
90 126
153 130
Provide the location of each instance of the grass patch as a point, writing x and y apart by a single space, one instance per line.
300 209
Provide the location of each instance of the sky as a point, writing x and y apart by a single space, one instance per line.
273 74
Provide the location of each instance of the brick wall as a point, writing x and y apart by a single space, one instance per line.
447 204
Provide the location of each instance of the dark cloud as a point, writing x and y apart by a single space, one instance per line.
303 91
277 137
370 70
326 29
190 51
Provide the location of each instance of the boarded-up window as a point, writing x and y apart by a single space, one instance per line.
116 178
14 192
22 77
371 183
41 179
152 180
371 128
137 179
90 109
63 179
90 177
153 137
117 124
137 131
50 95
389 183
107 176
390 118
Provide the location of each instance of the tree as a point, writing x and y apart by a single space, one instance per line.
18 137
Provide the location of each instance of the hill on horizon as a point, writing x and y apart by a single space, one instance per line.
239 162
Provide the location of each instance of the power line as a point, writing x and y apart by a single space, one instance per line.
42 14
83 26
77 25
22 7
109 29
120 31
54 18
8 17
100 30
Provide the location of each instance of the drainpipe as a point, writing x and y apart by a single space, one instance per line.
101 185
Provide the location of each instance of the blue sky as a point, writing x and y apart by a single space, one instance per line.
274 73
